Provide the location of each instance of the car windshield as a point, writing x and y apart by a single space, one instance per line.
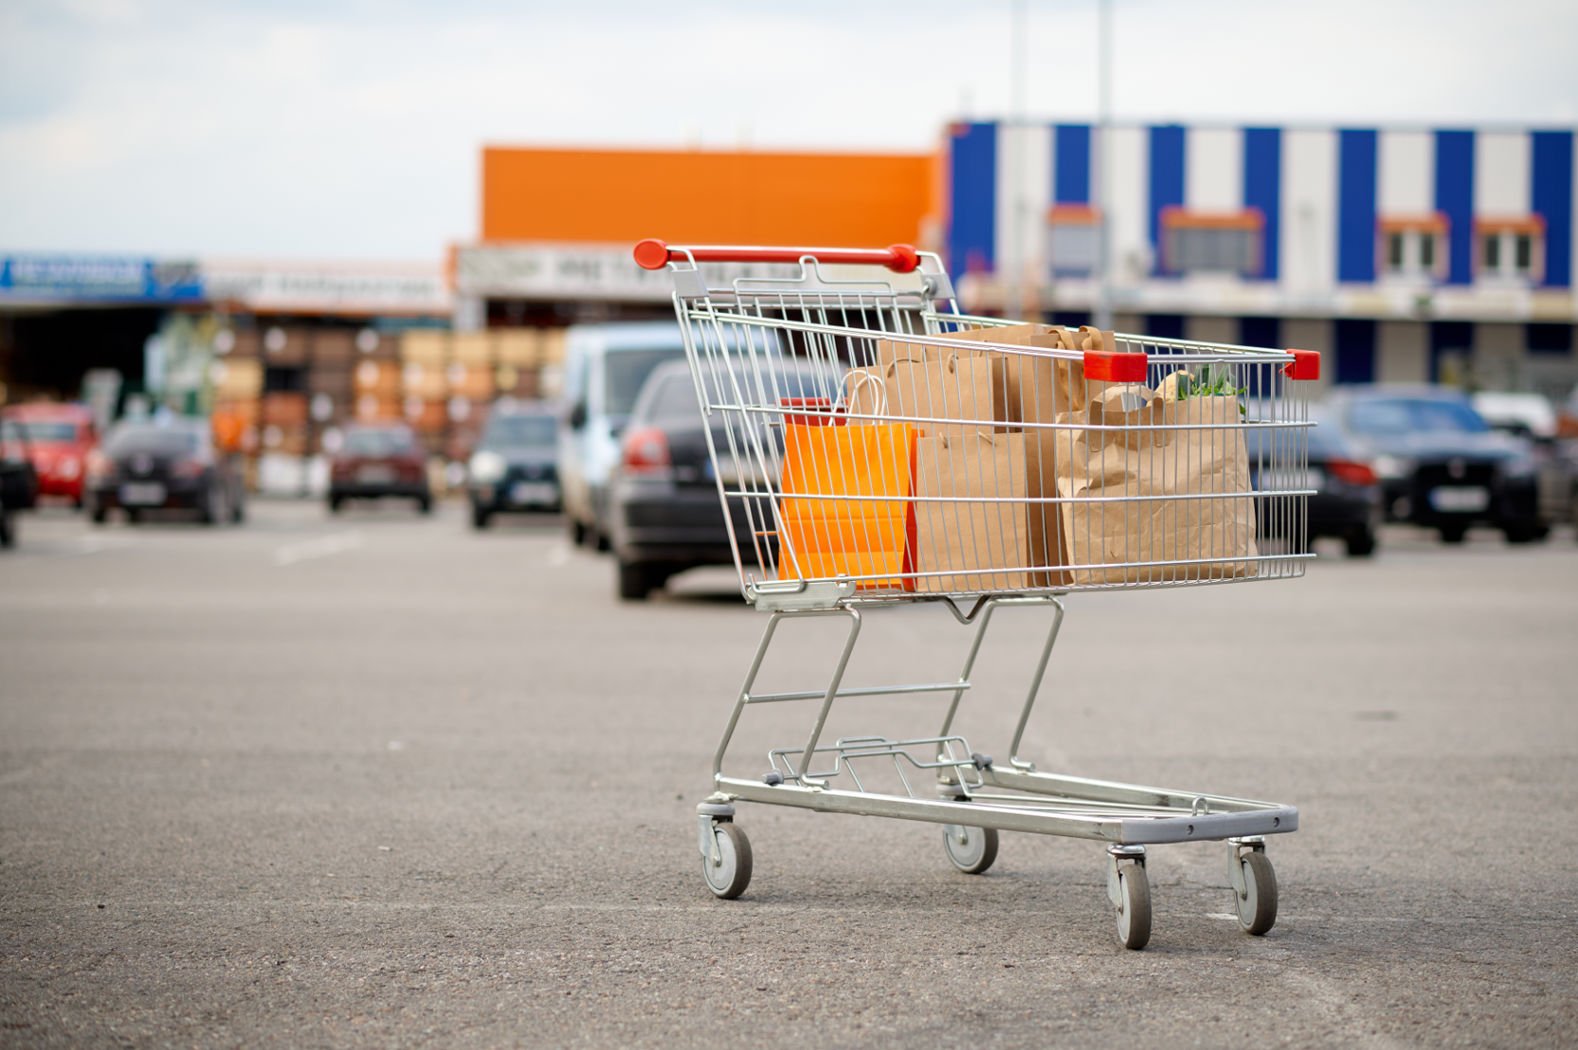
626 370
1323 441
45 430
1414 416
152 439
521 431
676 397
365 442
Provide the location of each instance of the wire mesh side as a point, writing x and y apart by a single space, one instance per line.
860 434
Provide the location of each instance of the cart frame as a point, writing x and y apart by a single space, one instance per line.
973 795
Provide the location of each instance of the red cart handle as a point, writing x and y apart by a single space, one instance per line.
653 254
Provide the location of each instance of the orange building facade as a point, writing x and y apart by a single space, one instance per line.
557 225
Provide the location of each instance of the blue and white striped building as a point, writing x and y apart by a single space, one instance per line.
1402 253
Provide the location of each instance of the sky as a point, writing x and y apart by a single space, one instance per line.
352 129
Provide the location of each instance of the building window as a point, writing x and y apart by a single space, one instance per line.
1212 242
1414 246
1511 248
1073 245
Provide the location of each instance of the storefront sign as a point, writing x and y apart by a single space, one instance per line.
259 286
574 272
99 278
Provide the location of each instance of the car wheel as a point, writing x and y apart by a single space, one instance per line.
336 503
480 517
1361 543
1454 533
7 529
638 579
1526 533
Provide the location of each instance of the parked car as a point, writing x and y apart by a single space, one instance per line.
513 467
147 465
19 482
379 460
59 438
1441 465
16 480
664 507
605 366
1347 500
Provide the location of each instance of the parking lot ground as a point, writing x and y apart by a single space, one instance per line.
380 780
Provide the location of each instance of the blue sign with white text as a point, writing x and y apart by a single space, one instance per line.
99 278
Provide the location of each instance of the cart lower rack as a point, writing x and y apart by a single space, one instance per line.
874 447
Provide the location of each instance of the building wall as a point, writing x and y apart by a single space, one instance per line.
1322 192
1323 196
705 197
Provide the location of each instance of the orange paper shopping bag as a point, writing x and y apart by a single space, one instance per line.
846 507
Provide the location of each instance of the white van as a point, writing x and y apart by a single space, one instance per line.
604 368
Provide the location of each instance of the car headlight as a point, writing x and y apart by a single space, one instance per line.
1392 468
487 467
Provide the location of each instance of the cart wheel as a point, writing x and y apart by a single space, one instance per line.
728 868
1134 909
1257 904
972 850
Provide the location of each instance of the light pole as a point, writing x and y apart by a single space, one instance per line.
1102 158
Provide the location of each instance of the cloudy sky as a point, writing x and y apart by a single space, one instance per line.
351 129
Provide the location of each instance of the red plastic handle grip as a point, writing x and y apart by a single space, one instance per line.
1112 367
653 254
1305 365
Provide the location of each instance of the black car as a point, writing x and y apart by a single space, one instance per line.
664 506
1346 503
18 481
149 465
1441 465
514 466
378 461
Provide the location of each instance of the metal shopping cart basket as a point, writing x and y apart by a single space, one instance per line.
873 446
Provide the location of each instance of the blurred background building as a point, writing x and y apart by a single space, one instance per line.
1402 253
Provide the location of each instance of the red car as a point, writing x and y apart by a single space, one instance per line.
377 460
60 439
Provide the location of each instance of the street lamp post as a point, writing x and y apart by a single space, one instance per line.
1103 155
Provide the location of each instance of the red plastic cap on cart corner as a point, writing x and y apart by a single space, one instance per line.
1112 367
651 254
1305 365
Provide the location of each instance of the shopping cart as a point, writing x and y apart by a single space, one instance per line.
917 454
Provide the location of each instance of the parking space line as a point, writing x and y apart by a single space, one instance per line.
317 547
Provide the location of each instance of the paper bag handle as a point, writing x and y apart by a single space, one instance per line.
869 377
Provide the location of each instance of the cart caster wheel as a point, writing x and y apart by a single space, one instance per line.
727 868
1132 899
972 850
1256 900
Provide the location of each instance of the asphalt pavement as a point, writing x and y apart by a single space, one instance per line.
379 780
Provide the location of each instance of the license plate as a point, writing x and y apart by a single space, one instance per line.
531 492
375 475
142 494
1460 500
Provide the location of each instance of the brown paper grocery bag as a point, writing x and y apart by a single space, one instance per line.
1036 387
1126 480
970 518
960 388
